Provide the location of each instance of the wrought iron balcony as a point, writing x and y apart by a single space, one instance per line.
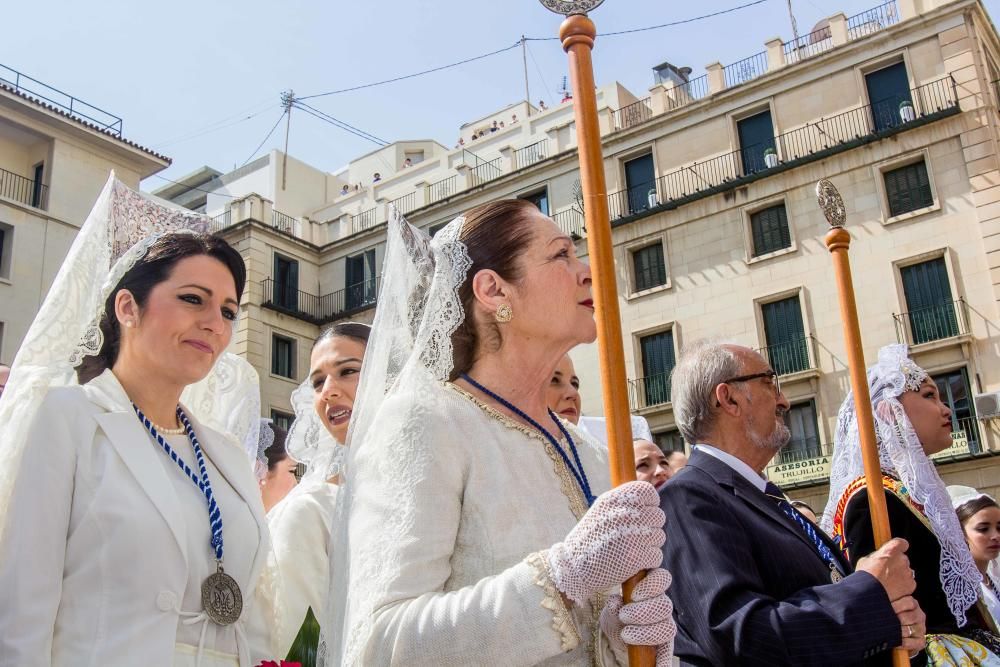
791 356
872 20
571 222
745 70
938 322
319 310
485 172
966 441
283 222
221 221
23 190
811 142
632 114
530 154
645 392
442 189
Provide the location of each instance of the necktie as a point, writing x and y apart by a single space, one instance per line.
774 493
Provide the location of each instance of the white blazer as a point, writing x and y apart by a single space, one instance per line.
92 563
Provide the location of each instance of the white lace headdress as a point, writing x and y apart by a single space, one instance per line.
118 232
409 354
901 454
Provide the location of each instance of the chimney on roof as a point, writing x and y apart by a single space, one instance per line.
666 72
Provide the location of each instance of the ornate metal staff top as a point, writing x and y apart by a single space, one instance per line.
831 203
571 7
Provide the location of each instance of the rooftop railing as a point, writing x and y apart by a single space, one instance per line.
691 91
808 46
442 189
283 222
23 190
530 154
872 20
745 70
405 204
632 114
485 172
221 221
23 83
364 220
937 322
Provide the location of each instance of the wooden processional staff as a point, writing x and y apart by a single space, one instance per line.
838 241
577 33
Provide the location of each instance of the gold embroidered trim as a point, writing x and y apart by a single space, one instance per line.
567 484
562 619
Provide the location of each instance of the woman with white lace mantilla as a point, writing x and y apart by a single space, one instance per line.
911 423
476 525
131 527
297 574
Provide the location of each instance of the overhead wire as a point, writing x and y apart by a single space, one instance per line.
243 116
540 75
347 127
275 127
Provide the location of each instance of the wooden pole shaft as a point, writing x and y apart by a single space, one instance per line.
838 241
577 34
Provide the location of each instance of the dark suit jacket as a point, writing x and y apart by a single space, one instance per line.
749 587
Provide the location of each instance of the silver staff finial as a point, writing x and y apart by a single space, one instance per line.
831 203
571 7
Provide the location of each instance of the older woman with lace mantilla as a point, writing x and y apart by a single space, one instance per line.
479 525
911 423
132 526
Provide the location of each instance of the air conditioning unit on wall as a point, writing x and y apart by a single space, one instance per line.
987 405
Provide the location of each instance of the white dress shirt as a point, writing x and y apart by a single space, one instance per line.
736 464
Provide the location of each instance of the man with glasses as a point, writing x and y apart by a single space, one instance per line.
755 582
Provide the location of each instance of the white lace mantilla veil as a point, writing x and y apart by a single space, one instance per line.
408 355
901 455
119 230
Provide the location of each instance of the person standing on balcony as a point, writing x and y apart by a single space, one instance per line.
911 423
763 586
297 576
479 525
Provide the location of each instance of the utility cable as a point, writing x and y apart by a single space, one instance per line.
283 112
339 123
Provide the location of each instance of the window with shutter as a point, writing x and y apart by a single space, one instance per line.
360 280
769 230
804 442
929 302
953 388
650 269
657 363
283 356
756 136
640 182
539 199
908 188
887 89
786 340
286 282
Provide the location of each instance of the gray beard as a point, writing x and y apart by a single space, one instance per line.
775 442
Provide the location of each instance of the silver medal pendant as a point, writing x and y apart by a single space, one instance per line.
221 598
835 575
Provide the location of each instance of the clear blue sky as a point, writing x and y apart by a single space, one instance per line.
173 70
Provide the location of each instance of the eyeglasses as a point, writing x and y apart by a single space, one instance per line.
773 376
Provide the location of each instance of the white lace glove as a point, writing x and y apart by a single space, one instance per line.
646 621
621 534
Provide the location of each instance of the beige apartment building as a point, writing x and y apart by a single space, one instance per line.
56 152
715 226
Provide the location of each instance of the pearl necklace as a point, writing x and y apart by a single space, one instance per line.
168 431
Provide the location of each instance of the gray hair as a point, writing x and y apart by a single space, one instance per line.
702 366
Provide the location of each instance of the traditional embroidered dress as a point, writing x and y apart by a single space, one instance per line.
919 511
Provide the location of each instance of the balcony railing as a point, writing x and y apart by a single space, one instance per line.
648 391
63 101
283 222
812 141
872 20
23 190
405 204
530 154
808 46
791 356
221 221
486 172
802 462
319 310
571 222
632 114
938 322
689 92
744 70
364 220
442 189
